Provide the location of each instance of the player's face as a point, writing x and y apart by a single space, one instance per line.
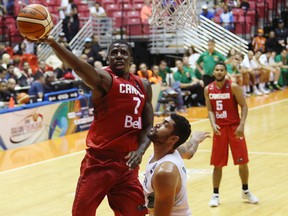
119 58
219 72
161 132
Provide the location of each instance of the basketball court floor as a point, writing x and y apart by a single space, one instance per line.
40 179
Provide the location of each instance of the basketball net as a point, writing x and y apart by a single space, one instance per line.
174 14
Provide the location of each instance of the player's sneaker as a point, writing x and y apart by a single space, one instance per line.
257 92
215 201
277 87
250 197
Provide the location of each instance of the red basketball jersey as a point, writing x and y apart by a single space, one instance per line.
118 116
224 104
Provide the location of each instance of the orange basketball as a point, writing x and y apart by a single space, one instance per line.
23 98
34 21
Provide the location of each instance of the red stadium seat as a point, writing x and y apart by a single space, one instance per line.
137 6
110 9
107 2
119 18
134 26
83 8
133 14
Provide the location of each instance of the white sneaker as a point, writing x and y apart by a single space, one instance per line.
215 201
250 197
264 91
257 92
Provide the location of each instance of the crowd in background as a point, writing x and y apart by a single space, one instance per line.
263 70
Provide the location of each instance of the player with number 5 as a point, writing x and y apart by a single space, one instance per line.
222 99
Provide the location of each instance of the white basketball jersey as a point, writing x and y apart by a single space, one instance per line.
181 207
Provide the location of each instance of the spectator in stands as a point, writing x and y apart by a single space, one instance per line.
63 41
146 12
49 79
281 33
3 10
244 5
20 48
155 79
233 3
272 43
248 68
193 56
283 58
69 13
90 50
62 70
188 82
101 54
37 88
26 77
10 7
4 95
144 72
133 69
165 72
227 18
11 84
10 72
207 60
3 73
98 65
41 67
6 59
30 47
73 21
258 42
97 11
206 13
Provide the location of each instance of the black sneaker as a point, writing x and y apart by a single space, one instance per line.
277 87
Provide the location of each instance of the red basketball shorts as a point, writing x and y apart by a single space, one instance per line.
105 173
220 148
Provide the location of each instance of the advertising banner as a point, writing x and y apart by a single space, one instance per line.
29 126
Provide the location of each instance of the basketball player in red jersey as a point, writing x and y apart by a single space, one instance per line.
117 138
222 99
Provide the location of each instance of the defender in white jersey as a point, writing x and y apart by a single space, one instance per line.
165 178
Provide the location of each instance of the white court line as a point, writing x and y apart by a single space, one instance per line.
253 153
193 123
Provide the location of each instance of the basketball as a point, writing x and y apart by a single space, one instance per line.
23 98
34 21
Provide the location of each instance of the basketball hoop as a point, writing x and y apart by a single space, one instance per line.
174 14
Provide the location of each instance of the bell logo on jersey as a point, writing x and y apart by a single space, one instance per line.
221 115
131 123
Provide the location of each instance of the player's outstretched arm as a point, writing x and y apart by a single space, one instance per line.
134 158
189 148
97 79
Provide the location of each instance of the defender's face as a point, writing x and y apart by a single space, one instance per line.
162 131
219 72
119 58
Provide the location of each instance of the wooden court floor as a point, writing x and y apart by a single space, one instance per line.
40 179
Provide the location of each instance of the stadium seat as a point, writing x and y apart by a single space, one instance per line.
107 2
252 16
237 12
134 26
110 9
133 14
83 8
119 18
261 9
137 6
